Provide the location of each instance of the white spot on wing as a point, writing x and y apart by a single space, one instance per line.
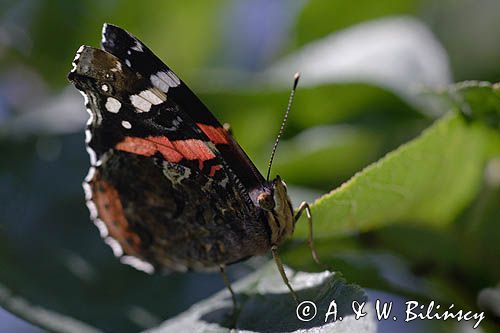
92 209
88 136
138 264
85 98
103 230
77 56
113 105
174 79
137 46
105 87
87 190
93 157
126 124
159 83
140 103
91 118
90 174
127 62
115 246
165 80
103 33
151 97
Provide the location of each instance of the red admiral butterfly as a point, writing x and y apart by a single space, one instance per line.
168 186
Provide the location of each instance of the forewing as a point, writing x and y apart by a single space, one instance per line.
140 58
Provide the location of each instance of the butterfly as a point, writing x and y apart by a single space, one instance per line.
169 188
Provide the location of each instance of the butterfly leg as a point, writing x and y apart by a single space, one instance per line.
281 269
228 285
304 206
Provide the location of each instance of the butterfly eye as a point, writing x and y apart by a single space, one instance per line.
266 201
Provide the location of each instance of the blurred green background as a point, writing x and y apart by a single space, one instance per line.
364 64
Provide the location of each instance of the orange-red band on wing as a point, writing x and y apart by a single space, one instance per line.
149 146
213 169
110 210
216 134
193 149
172 151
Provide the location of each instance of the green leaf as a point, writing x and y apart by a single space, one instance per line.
428 180
477 100
267 306
352 55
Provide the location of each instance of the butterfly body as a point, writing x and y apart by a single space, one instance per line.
168 187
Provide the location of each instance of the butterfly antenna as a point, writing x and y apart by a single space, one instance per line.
290 100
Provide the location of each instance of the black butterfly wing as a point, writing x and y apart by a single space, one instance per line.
141 59
159 189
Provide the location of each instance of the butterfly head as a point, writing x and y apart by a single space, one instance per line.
275 202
